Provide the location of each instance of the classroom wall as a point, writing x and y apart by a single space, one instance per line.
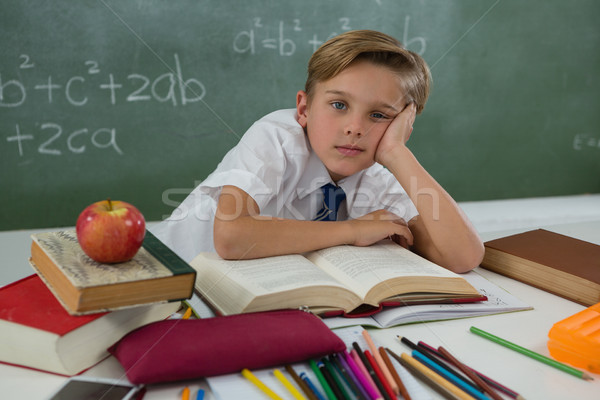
139 100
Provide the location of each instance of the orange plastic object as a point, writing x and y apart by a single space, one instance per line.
576 340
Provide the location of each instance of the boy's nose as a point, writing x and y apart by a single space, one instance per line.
354 127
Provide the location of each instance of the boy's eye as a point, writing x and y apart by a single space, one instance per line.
377 115
338 105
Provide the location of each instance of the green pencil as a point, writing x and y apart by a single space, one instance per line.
322 381
532 354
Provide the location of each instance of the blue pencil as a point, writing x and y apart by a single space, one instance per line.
311 386
448 376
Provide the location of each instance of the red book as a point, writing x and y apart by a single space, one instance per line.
37 332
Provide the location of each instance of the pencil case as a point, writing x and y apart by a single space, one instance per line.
576 340
175 350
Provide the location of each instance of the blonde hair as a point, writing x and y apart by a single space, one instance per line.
338 53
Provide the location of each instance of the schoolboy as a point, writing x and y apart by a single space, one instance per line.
349 129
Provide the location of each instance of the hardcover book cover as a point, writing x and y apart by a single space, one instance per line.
82 285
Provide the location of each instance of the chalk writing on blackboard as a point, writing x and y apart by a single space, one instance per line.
94 87
52 134
583 141
170 87
283 38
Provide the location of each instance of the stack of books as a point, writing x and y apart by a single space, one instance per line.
63 318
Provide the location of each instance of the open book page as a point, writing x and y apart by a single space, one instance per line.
361 268
268 283
271 274
499 301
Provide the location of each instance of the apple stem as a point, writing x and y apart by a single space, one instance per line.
110 208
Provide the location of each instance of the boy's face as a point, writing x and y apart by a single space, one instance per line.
347 116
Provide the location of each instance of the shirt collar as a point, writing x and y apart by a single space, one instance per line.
316 175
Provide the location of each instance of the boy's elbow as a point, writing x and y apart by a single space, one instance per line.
226 243
468 259
224 249
224 246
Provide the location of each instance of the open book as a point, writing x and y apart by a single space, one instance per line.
341 278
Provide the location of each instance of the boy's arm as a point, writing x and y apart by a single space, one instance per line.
442 233
241 233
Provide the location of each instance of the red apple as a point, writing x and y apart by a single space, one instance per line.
110 231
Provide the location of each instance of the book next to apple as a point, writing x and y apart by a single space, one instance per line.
82 285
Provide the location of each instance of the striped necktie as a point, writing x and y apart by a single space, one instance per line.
332 198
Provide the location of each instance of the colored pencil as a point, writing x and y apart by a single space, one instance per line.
281 378
433 351
258 383
532 354
367 388
300 383
187 314
351 380
337 378
311 386
465 387
373 389
379 373
433 380
426 353
324 385
337 393
477 380
185 394
395 376
370 371
377 356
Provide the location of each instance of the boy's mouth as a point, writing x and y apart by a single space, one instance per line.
349 150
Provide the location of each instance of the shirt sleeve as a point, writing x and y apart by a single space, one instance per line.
256 165
378 189
396 200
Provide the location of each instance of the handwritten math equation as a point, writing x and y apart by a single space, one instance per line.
285 37
170 88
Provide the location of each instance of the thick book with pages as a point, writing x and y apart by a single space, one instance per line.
341 279
556 263
82 285
37 332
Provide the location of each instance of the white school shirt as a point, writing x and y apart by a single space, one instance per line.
274 164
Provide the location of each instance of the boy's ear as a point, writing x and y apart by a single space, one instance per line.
302 107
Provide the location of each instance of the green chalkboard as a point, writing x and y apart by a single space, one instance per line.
139 100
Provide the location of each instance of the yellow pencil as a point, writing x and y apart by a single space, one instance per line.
250 376
292 389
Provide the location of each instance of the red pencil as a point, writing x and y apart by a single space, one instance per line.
379 373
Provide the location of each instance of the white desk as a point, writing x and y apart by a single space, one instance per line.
530 378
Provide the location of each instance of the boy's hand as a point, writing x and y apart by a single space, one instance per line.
378 225
396 135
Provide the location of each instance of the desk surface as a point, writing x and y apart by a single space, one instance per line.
530 378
